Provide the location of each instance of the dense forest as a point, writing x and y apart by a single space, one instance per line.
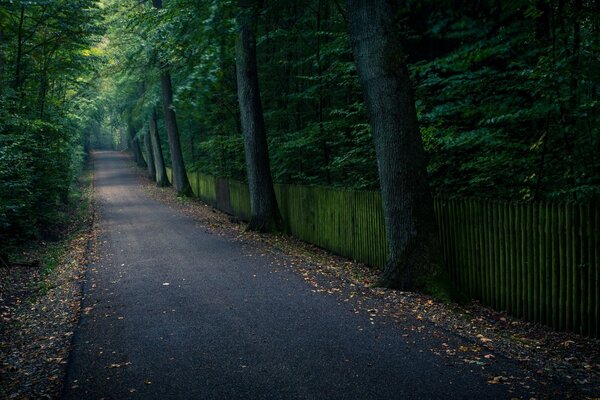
506 94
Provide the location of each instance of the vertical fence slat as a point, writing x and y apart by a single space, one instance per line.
596 247
505 259
497 266
562 257
592 315
547 283
451 241
464 260
583 268
541 276
486 257
567 268
518 261
523 261
473 238
472 249
466 267
530 261
554 275
575 268
500 256
513 258
516 243
458 228
536 262
446 233
490 252
475 249
500 265
481 264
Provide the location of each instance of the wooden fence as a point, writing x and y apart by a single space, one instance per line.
538 261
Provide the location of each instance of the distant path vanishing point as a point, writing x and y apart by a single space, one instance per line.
173 312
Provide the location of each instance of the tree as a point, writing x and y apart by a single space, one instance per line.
149 157
159 163
134 144
407 203
265 213
48 56
180 179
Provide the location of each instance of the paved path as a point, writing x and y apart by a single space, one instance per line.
173 312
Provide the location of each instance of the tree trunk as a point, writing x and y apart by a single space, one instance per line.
321 101
159 162
2 62
149 157
180 179
265 213
135 146
17 78
413 249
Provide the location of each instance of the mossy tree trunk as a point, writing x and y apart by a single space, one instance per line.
134 144
410 225
180 179
265 213
149 157
159 162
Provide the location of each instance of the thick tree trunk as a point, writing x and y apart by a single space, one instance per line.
149 157
407 203
180 179
135 147
265 213
159 162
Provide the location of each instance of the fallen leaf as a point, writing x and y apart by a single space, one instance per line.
496 380
119 365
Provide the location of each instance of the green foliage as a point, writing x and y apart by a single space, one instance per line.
511 110
507 94
47 61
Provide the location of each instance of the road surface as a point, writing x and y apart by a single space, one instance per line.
173 312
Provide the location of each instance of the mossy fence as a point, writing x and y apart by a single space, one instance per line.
537 261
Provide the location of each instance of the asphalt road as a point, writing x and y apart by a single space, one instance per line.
173 312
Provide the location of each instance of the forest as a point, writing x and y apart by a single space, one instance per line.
446 148
506 95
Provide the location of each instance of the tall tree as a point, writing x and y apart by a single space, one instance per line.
48 55
149 157
180 179
134 144
159 162
265 213
407 203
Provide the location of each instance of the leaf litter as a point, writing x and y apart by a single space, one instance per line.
39 313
